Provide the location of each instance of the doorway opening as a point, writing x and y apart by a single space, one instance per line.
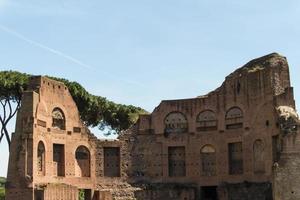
38 194
209 193
59 159
84 194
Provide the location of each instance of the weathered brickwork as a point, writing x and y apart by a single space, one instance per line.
238 142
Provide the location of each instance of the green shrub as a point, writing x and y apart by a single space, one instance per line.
2 188
2 193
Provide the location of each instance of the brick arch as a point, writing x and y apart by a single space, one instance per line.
58 118
207 121
60 106
175 122
208 160
234 118
41 158
208 148
83 161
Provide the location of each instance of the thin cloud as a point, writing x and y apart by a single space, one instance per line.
63 55
56 52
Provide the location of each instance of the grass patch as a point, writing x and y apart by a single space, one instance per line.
255 69
2 188
2 193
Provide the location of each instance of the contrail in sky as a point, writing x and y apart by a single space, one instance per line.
63 55
56 52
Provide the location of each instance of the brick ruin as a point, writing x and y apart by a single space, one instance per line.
238 142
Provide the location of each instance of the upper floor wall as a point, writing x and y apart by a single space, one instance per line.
248 97
55 102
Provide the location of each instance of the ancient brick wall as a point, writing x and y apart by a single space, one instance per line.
48 134
287 169
246 191
231 135
242 111
176 161
58 191
111 161
166 193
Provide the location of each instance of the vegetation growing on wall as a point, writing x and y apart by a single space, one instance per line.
95 111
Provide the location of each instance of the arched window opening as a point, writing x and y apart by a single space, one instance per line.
41 158
207 121
208 160
58 119
259 156
176 122
234 118
83 166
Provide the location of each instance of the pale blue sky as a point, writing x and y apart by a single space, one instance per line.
142 51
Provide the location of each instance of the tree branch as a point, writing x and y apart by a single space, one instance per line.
1 120
4 111
7 117
2 125
13 114
7 136
2 134
10 109
17 108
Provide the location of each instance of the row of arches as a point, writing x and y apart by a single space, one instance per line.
176 122
82 160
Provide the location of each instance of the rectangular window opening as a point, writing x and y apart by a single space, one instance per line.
59 159
235 151
112 161
176 160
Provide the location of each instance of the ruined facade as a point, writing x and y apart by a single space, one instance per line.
238 142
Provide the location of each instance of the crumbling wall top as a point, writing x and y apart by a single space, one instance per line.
261 63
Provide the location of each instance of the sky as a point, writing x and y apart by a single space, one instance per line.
143 51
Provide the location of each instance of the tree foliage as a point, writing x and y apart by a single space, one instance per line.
12 85
98 111
95 111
